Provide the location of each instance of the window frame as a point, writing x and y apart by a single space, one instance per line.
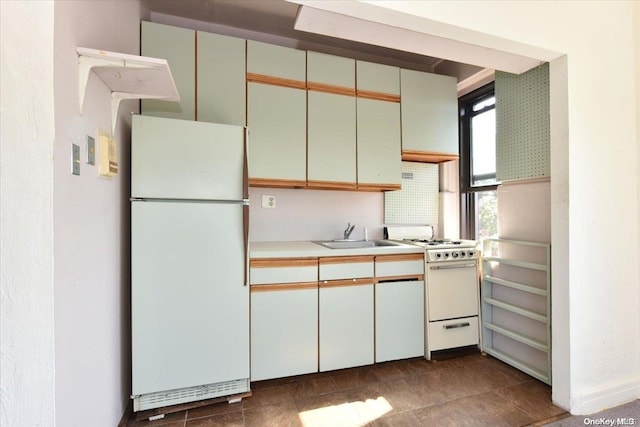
467 190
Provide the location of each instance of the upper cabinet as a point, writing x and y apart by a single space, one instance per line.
429 117
221 84
331 127
378 124
276 63
378 81
276 115
314 120
178 47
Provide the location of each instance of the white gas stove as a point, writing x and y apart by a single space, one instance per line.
437 250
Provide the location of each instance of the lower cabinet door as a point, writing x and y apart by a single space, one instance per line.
400 320
284 330
346 324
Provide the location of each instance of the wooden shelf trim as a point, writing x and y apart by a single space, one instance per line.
276 81
320 185
283 262
346 259
322 87
380 96
274 287
277 183
346 282
327 88
332 185
400 257
379 187
401 278
427 157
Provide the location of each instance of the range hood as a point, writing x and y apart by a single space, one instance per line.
126 76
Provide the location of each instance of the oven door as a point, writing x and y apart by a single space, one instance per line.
452 289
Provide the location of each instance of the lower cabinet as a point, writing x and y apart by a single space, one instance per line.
399 296
346 323
399 320
329 313
284 330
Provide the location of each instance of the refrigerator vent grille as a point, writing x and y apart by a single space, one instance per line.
191 394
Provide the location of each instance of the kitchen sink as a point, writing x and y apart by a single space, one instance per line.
353 244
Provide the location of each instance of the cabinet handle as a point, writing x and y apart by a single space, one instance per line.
456 325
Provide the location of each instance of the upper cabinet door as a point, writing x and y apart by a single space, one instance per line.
221 83
331 111
277 123
377 78
429 114
276 61
276 115
378 124
178 47
379 162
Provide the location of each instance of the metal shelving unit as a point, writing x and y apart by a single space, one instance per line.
493 256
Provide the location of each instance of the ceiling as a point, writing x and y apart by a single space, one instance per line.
277 18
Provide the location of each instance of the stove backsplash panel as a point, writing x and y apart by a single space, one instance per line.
418 201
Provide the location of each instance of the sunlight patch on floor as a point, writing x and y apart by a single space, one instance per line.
350 414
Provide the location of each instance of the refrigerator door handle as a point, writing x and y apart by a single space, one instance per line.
245 222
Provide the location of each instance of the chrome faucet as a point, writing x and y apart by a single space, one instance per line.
349 230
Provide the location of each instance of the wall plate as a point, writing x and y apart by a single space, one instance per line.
91 150
268 201
75 159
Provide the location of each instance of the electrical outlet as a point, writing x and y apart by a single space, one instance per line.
268 201
75 159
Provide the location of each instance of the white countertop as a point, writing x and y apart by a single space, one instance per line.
308 249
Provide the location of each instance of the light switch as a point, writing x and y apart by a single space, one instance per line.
268 201
75 159
91 150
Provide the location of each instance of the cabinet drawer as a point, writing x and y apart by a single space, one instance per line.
336 268
399 265
285 270
453 333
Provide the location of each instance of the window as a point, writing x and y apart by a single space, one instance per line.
478 182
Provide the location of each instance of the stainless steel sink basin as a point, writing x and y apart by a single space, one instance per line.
353 244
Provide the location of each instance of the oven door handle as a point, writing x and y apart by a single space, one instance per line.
457 325
447 267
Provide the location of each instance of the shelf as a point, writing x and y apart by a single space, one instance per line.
515 285
490 281
524 367
515 263
516 336
126 76
515 309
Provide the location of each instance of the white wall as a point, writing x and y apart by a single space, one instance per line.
594 190
314 214
91 223
26 214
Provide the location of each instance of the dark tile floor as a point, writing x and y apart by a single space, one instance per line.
457 390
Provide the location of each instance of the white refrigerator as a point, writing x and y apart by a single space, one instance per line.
189 238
